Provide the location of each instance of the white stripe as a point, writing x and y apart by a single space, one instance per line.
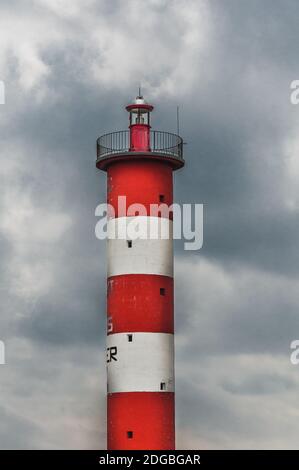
145 364
151 250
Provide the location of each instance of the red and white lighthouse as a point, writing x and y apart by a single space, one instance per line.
140 307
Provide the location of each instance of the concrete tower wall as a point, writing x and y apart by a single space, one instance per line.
140 311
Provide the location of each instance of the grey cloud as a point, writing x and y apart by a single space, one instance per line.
260 384
233 93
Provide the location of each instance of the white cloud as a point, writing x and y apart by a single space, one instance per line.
129 51
216 298
25 224
31 67
119 48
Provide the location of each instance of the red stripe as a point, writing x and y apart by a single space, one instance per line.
140 303
141 420
143 182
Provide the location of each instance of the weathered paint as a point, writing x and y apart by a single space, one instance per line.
143 182
140 362
149 416
145 256
140 302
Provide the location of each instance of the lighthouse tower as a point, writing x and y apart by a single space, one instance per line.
140 307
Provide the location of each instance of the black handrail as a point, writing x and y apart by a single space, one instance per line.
160 142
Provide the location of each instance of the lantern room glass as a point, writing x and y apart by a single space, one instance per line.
139 116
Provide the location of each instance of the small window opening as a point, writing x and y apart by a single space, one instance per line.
162 386
129 242
130 338
130 434
162 198
162 291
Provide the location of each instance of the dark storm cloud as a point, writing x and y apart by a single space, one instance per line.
235 132
235 311
236 421
74 315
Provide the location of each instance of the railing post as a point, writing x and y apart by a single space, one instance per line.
118 142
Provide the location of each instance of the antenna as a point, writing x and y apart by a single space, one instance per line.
139 90
178 120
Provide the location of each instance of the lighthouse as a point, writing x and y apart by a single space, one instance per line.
139 163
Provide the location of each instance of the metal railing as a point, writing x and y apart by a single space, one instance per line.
160 142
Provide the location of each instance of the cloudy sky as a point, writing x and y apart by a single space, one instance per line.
69 67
